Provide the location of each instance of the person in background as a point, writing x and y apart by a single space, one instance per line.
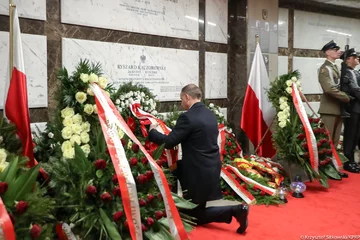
199 172
351 81
332 97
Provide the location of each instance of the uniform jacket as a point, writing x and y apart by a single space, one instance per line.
330 101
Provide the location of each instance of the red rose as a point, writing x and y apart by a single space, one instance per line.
232 158
150 221
225 193
232 151
106 197
116 191
126 224
306 155
229 143
304 145
91 190
114 179
158 214
143 228
142 178
123 142
159 196
317 120
3 187
149 174
329 151
144 160
142 202
133 161
21 207
237 149
35 231
164 213
117 216
100 164
224 152
135 148
150 197
262 193
318 145
301 136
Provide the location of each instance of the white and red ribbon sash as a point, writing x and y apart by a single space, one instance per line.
171 154
310 137
176 226
6 226
236 187
335 159
223 132
126 180
268 190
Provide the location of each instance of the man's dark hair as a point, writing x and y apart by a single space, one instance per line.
192 90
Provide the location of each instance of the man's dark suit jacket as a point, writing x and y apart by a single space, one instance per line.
199 169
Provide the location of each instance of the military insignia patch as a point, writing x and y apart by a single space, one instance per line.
322 70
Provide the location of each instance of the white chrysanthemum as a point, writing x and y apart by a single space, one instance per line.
85 138
77 119
88 109
67 122
66 132
80 97
84 77
294 79
85 127
50 135
289 83
93 78
282 124
280 114
69 153
283 106
90 92
120 109
67 112
76 128
66 146
211 105
117 101
122 98
75 139
86 149
103 82
95 109
3 155
289 90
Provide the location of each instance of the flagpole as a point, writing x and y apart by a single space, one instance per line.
11 39
263 137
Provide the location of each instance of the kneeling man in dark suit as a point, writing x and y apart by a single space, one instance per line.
199 170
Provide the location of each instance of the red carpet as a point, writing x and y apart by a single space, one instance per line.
332 212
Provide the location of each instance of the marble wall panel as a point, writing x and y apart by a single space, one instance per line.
38 127
35 60
216 21
216 75
34 9
313 30
283 65
283 25
163 70
173 18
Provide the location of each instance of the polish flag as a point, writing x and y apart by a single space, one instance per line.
257 112
16 99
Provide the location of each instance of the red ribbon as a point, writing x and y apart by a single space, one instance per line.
5 223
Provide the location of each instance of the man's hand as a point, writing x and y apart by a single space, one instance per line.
153 126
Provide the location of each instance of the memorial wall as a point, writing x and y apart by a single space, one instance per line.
162 44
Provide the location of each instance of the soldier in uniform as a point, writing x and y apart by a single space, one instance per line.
332 97
351 81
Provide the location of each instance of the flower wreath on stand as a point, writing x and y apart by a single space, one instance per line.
82 175
26 202
290 136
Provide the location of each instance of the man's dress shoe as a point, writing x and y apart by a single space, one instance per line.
241 213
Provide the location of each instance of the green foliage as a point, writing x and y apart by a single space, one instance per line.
8 139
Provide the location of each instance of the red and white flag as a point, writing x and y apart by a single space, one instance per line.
16 99
258 113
